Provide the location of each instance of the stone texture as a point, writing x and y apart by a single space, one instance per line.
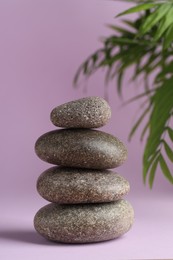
89 112
81 148
84 223
70 185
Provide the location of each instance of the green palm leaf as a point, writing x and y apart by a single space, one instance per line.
168 37
168 150
165 169
135 127
146 46
170 132
154 18
138 8
165 24
153 172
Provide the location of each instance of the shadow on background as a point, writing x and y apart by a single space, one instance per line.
31 237
26 236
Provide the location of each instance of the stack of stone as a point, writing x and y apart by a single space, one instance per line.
87 204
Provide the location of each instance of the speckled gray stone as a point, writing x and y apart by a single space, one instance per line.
89 112
84 223
81 148
70 185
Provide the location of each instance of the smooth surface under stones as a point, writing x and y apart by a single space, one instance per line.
87 198
92 112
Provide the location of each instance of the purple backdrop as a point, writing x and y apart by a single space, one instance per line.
42 44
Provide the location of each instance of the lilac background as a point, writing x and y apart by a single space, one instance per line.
42 44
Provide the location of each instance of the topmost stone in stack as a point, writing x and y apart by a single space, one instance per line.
81 147
92 112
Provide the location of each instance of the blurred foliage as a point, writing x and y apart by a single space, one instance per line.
146 45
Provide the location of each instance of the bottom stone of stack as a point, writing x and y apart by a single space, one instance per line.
84 223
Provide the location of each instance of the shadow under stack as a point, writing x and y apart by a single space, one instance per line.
86 198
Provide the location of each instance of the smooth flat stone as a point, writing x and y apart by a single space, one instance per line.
70 185
89 112
81 148
84 223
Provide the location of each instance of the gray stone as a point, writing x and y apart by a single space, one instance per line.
72 186
89 112
84 223
83 148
